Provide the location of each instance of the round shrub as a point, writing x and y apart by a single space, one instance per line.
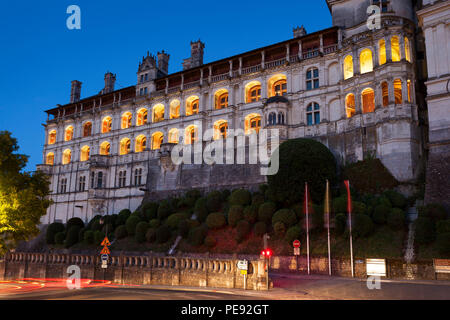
200 209
142 227
225 194
120 232
340 204
164 210
251 213
197 235
81 234
59 238
443 226
279 228
131 224
383 200
424 230
139 236
257 199
72 236
154 223
92 221
340 222
150 210
293 233
259 228
183 228
52 230
174 219
88 237
286 216
194 194
75 221
108 229
122 217
266 211
235 214
150 235
240 197
215 220
209 242
380 213
162 234
443 244
362 225
98 237
396 219
214 201
358 207
96 225
397 199
302 160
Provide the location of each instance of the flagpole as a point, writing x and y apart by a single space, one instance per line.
327 208
307 225
349 208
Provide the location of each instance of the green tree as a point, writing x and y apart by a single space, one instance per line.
23 195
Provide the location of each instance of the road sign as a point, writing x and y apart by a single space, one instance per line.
242 265
105 242
243 272
296 251
105 250
296 243
105 257
104 265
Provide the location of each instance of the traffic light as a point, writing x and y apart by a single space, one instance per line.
266 253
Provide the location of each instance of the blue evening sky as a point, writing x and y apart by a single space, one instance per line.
39 56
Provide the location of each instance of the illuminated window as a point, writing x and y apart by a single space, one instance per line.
220 129
87 129
395 49
192 104
125 144
221 99
277 85
67 154
174 109
312 114
398 91
126 120
140 144
68 133
191 134
408 85
106 124
253 91
158 113
366 61
382 51
84 155
407 50
385 93
157 140
105 148
350 105
50 158
173 135
368 100
348 67
252 121
312 79
52 137
141 117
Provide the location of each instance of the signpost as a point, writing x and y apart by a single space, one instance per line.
243 267
296 245
104 253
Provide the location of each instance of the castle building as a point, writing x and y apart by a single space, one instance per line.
356 89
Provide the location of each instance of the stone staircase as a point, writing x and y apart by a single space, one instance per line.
409 252
178 239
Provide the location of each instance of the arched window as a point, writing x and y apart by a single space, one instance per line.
140 144
272 119
366 61
350 105
125 144
253 91
398 91
312 114
67 154
408 86
395 49
126 120
221 99
385 93
106 124
220 129
158 113
192 104
105 148
157 140
281 118
368 100
252 122
174 109
348 67
382 51
87 129
191 134
407 50
141 117
173 135
52 137
68 133
84 155
277 85
50 158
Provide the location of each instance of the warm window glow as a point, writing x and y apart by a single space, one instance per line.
252 121
192 104
87 129
158 113
52 137
221 99
395 49
106 124
105 148
125 144
253 91
141 117
84 155
191 134
382 52
385 94
126 120
350 105
407 50
408 85
348 67
368 100
366 61
174 109
157 140
140 144
68 134
277 85
173 135
50 158
220 129
66 156
398 91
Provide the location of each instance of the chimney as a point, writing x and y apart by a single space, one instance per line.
299 32
75 91
196 58
110 80
163 62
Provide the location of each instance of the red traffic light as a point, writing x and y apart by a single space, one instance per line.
266 253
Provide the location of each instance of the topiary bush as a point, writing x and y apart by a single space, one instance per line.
362 225
162 234
279 228
339 204
215 220
243 229
240 197
302 160
150 235
358 207
380 213
72 236
197 235
383 200
424 233
183 228
396 219
164 210
210 242
225 194
52 230
154 223
120 232
397 199
131 224
200 209
340 222
88 237
81 234
443 244
75 221
293 233
286 216
235 214
59 238
266 211
260 228
214 201
257 199
142 227
139 236
98 237
174 219
150 210
122 217
251 213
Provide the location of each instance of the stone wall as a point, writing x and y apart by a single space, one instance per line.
437 188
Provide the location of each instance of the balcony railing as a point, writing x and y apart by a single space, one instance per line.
311 54
45 168
275 63
251 69
219 77
191 85
174 89
330 49
98 161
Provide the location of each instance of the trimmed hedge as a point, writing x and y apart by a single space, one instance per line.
380 213
443 226
150 235
88 237
150 210
183 228
424 230
52 230
154 223
340 222
72 236
363 225
287 216
251 213
240 197
215 220
75 221
174 219
59 238
243 228
164 210
162 234
293 233
443 244
235 214
197 235
214 201
131 224
266 211
397 199
98 237
120 232
433 211
279 228
396 219
210 242
200 209
257 199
